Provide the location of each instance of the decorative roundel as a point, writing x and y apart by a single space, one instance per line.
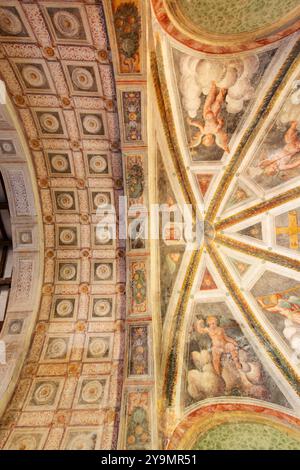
103 235
65 201
45 393
82 442
25 443
10 23
7 147
67 272
102 308
33 76
25 237
98 347
49 122
57 349
64 308
103 272
92 124
67 236
98 163
101 199
60 163
15 327
66 24
82 78
92 391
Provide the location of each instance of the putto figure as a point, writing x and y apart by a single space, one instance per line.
281 159
287 307
211 132
221 343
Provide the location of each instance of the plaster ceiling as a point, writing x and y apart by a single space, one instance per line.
227 26
234 16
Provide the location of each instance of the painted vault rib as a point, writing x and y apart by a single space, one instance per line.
172 363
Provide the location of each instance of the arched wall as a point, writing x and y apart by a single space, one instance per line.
27 235
198 422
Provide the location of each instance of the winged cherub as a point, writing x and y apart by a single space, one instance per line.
281 159
221 342
211 131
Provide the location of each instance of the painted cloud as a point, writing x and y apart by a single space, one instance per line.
233 74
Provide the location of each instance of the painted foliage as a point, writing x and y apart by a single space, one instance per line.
127 20
132 109
135 179
137 200
138 430
138 287
138 350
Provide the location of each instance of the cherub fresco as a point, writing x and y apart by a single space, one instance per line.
281 159
221 361
225 367
278 158
279 298
212 131
288 307
221 343
214 96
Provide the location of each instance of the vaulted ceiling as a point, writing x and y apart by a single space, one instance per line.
114 98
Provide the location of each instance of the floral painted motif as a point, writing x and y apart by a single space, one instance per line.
128 32
137 196
138 362
139 287
135 181
132 115
138 435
